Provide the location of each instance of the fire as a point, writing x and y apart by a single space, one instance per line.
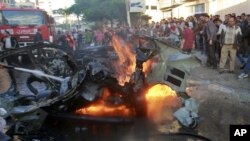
161 99
147 67
126 63
105 110
102 108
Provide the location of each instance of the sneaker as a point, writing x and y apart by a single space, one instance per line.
243 75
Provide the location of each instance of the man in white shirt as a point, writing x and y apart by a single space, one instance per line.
230 39
10 43
7 40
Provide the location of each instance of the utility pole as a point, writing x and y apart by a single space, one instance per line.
127 3
37 3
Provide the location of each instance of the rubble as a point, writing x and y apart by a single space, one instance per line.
188 114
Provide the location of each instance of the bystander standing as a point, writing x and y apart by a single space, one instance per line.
230 39
188 39
38 37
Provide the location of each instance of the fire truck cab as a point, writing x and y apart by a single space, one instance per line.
23 23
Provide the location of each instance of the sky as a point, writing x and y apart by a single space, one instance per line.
56 4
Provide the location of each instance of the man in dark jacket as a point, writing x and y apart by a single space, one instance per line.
79 40
246 68
210 31
38 37
244 28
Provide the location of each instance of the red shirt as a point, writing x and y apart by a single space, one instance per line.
70 40
188 36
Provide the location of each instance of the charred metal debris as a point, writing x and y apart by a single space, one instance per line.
42 80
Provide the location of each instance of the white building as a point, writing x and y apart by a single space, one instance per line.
184 8
46 5
153 10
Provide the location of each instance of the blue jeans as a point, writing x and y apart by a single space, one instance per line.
239 56
247 67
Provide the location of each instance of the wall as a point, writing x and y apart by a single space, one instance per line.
233 6
186 9
156 14
213 7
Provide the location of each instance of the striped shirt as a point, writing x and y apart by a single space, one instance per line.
231 33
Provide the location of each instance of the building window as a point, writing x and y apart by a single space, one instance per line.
146 6
200 8
153 7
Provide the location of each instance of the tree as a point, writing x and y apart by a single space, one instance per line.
63 11
100 10
77 9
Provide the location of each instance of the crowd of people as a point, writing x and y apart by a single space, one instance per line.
80 39
220 40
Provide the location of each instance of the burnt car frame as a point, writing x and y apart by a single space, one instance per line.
88 72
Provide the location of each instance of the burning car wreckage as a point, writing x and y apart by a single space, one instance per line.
41 80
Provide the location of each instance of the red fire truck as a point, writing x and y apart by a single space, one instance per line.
23 23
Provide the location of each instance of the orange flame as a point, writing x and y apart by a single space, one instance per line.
147 67
159 98
126 63
101 108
